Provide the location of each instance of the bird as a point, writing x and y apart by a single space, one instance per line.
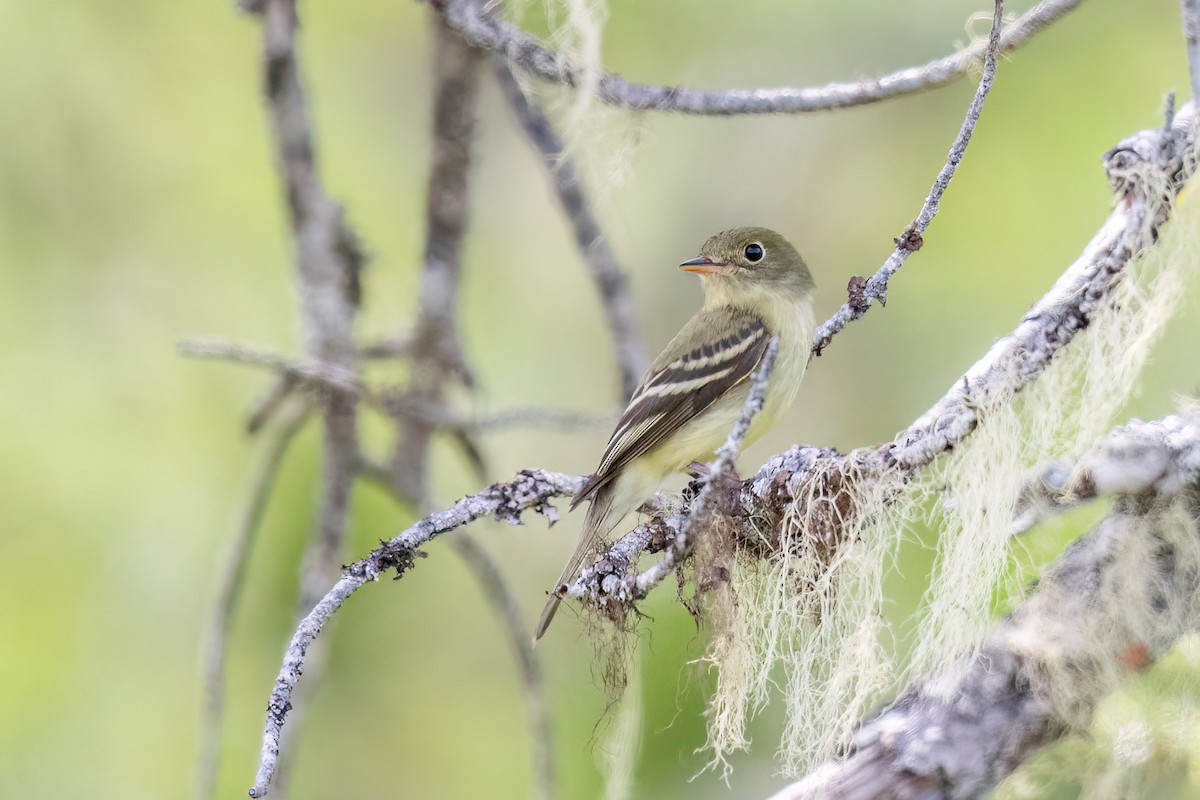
756 286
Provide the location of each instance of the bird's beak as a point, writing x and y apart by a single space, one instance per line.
703 265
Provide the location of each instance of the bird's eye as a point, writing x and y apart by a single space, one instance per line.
753 252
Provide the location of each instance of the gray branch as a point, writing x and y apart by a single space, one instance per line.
434 349
1190 11
1140 167
611 281
1113 603
862 295
486 30
533 489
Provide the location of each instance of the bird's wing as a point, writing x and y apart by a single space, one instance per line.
683 381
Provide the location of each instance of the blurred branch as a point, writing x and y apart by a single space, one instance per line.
532 489
1118 598
485 30
611 281
1190 11
500 598
328 265
403 404
434 348
1140 166
863 294
336 377
212 658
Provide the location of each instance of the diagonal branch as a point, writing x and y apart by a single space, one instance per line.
533 489
1141 165
862 295
611 281
525 52
1113 603
720 476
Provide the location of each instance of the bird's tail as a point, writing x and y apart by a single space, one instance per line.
595 526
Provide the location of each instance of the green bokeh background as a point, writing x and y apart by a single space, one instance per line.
139 206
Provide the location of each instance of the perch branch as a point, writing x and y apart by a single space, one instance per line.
1114 602
487 31
1151 158
533 489
862 295
611 281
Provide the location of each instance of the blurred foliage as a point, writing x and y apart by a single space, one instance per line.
138 206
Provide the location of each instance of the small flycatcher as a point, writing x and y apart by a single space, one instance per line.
755 287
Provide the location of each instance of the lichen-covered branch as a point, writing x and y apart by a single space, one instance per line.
1114 602
533 489
611 281
486 30
1148 169
863 294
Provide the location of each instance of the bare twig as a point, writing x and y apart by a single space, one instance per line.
527 53
532 489
1112 604
501 599
212 658
862 295
1190 10
611 281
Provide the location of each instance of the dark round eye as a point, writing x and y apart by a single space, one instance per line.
753 252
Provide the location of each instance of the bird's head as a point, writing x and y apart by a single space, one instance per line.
753 258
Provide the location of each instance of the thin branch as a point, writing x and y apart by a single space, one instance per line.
331 375
1190 11
1112 604
232 574
611 281
720 475
501 599
405 405
862 295
486 30
532 489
